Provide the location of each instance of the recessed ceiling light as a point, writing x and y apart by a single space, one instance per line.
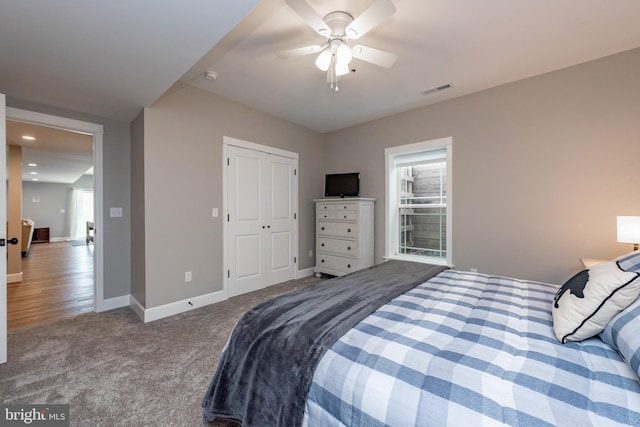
28 137
33 165
33 173
34 179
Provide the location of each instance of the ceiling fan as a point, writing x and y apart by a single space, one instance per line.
339 28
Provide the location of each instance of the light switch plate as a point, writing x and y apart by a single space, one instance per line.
115 212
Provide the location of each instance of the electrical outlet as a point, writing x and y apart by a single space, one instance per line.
311 254
187 276
473 270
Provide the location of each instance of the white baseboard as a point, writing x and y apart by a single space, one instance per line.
171 309
305 273
59 239
14 277
160 312
137 307
113 303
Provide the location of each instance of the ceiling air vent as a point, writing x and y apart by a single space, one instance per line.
436 89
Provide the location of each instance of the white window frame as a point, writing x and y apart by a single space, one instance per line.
392 199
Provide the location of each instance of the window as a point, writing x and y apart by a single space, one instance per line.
418 211
81 212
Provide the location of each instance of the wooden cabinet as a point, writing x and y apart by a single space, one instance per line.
41 235
344 235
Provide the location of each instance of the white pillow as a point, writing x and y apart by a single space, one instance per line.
585 304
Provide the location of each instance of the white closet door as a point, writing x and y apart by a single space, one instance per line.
261 190
280 218
245 200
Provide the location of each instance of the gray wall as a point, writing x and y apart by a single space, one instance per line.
116 188
46 213
183 134
53 198
541 167
138 261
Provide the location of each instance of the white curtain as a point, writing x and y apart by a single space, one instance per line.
81 211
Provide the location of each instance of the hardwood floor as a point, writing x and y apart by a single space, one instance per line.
57 283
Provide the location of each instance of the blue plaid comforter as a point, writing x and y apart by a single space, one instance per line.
466 349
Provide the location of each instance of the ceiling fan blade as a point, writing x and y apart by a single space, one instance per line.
374 15
300 51
306 12
374 56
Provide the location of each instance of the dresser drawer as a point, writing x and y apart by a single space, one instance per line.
337 207
326 215
337 229
337 216
336 263
337 246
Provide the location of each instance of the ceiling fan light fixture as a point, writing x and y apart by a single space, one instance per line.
324 60
342 68
343 54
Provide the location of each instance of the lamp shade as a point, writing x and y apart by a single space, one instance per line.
324 60
341 68
629 229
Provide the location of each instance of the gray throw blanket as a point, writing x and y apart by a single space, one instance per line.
267 367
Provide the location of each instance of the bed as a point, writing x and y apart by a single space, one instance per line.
460 349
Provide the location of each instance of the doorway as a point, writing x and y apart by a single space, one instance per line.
95 132
51 175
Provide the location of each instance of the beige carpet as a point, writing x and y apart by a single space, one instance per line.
114 370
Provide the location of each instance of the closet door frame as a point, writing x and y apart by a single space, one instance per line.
233 142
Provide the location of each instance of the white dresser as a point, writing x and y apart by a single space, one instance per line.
344 235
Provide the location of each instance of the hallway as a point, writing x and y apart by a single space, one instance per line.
57 283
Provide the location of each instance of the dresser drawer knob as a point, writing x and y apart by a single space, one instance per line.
345 217
322 228
321 260
322 244
348 265
348 248
348 230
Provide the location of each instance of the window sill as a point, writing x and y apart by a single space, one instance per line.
422 259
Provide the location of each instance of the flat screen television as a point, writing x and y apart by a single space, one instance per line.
342 185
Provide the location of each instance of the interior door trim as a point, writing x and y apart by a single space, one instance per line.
97 131
229 141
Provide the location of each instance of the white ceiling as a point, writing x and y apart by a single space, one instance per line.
60 156
107 58
112 58
471 44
